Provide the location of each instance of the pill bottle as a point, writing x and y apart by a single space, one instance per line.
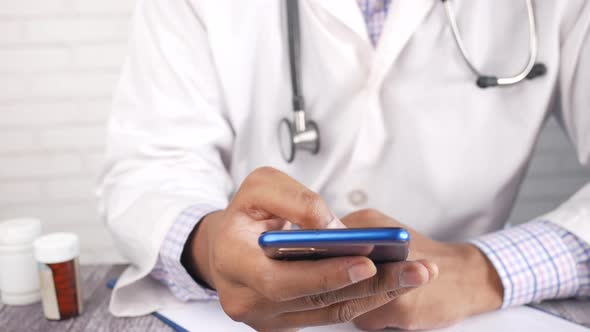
59 275
19 283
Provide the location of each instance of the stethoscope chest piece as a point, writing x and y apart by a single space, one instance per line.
298 134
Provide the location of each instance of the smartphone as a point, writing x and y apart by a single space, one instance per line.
379 244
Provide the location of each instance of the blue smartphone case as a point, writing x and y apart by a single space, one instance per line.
379 244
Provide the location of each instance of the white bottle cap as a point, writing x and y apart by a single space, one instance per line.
19 232
57 248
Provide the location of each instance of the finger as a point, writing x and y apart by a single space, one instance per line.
368 218
390 278
431 267
281 281
377 319
373 218
387 316
274 224
341 312
267 192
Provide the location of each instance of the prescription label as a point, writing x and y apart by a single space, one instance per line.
60 289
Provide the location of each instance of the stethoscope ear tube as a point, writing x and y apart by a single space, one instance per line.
486 81
539 69
531 70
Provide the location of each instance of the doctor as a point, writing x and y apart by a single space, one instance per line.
411 125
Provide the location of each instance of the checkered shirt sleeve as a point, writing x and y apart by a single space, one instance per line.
168 269
538 260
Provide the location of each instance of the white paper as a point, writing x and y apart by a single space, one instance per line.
209 316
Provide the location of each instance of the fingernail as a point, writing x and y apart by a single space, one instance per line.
335 223
412 277
431 267
433 270
361 271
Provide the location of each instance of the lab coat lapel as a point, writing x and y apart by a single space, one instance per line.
349 14
404 18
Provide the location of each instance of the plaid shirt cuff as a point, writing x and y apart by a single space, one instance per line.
168 269
536 261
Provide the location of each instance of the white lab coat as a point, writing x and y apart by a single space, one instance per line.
404 125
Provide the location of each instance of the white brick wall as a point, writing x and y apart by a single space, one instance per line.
59 60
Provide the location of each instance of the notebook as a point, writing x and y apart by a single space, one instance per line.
209 316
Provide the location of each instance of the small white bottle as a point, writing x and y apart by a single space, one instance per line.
19 281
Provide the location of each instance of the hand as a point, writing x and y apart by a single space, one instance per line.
273 295
467 284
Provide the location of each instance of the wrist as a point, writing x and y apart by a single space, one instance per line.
480 284
195 257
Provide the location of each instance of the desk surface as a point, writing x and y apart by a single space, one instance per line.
97 317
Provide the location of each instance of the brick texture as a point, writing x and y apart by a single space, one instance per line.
59 60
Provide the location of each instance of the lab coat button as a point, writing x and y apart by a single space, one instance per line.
358 197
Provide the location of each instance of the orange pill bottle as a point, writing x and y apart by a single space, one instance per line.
59 275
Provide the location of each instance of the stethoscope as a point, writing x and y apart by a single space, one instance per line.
303 134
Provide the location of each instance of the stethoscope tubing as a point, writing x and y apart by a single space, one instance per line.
304 134
533 45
